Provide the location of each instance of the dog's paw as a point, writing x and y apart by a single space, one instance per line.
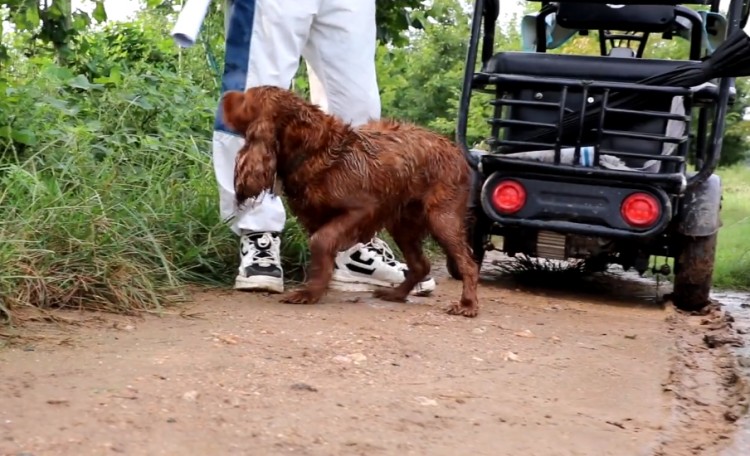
467 310
389 294
300 297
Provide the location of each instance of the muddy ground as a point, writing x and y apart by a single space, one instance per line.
608 372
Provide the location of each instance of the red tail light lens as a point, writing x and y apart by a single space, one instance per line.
509 197
640 210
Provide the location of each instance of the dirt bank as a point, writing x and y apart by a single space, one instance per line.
534 374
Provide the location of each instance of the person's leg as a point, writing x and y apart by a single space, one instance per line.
340 57
264 41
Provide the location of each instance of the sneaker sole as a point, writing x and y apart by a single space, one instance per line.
259 283
421 289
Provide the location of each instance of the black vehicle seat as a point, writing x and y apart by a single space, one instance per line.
612 69
586 67
640 18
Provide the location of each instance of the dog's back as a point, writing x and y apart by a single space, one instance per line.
404 160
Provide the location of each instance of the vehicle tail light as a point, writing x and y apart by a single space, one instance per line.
509 197
640 210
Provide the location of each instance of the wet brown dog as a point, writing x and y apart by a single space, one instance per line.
344 184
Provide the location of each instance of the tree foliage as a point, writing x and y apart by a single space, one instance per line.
54 23
50 22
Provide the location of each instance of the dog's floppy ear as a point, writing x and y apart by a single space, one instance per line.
255 166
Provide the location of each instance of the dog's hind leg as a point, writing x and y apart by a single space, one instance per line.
339 233
408 232
448 225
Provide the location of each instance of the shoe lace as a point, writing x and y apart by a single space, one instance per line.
264 256
380 247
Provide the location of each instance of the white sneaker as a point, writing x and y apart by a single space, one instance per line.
260 263
365 267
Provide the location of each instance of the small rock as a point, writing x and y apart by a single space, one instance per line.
510 356
227 339
358 358
555 339
745 305
731 416
171 420
744 361
342 359
476 358
631 337
525 333
190 396
480 330
58 402
713 341
304 387
426 401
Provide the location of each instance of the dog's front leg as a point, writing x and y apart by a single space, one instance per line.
323 255
339 233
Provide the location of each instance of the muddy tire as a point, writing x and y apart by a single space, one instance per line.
694 268
476 235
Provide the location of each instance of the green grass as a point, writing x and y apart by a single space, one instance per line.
111 204
733 256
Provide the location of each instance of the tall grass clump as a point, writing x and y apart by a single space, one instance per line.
107 197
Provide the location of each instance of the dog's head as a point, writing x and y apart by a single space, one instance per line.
256 113
243 110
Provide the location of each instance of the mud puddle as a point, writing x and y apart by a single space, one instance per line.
738 304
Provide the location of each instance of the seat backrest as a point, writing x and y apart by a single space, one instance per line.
642 18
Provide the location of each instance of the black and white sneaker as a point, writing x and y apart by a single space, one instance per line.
364 267
260 263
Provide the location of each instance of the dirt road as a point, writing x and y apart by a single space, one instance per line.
535 374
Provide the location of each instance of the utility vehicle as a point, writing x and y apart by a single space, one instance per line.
608 158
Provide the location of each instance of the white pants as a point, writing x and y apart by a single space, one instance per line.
264 42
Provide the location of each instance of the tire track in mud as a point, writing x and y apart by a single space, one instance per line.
709 390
